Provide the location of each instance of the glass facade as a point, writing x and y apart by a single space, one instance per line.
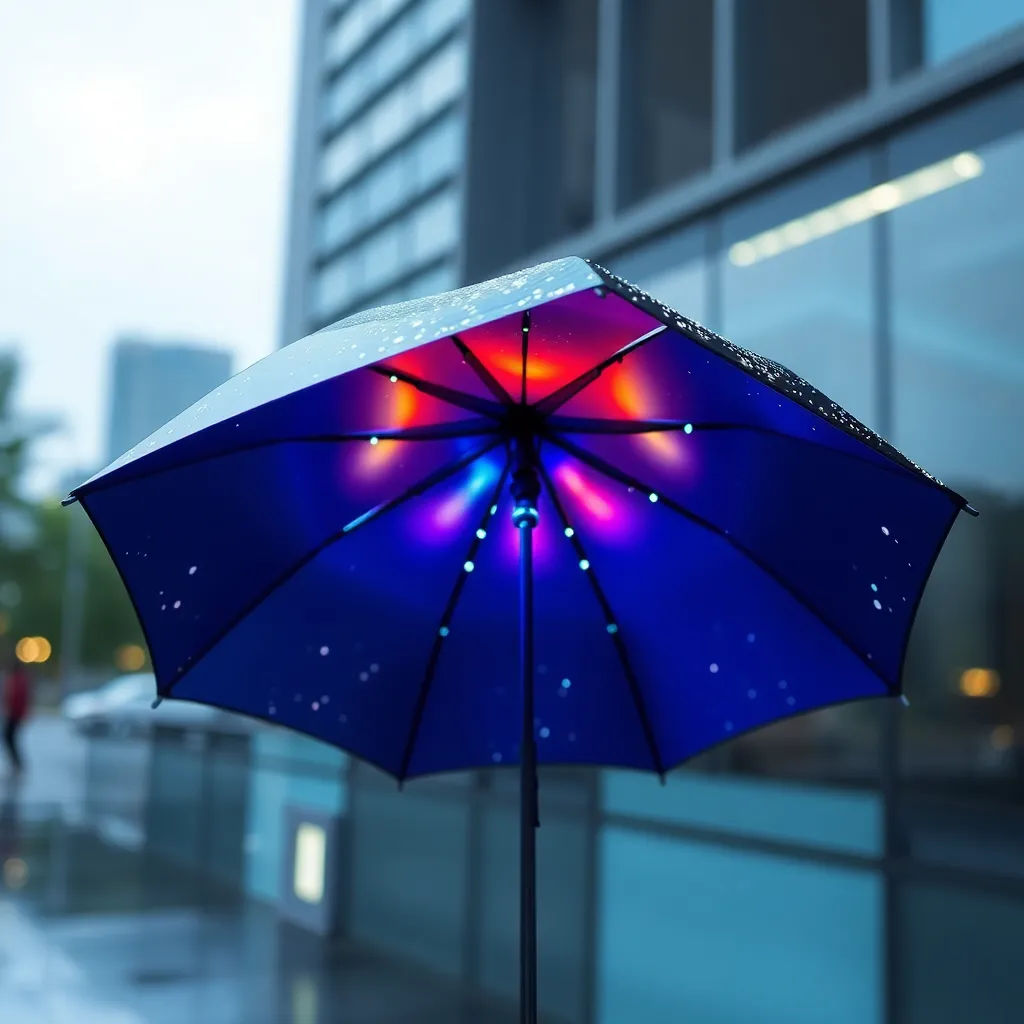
388 215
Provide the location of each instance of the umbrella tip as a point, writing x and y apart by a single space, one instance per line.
971 511
156 703
71 499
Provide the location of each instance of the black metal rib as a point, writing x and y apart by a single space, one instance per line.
525 331
609 617
430 432
546 406
446 618
476 365
597 425
459 399
614 473
432 480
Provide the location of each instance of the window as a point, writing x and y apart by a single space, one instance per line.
796 59
667 101
387 186
333 287
384 256
343 157
433 282
437 152
338 221
441 15
806 302
435 227
928 32
958 397
442 79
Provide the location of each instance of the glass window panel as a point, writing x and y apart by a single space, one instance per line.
928 32
383 256
958 393
442 79
348 32
393 50
337 222
667 102
438 152
959 955
433 282
342 157
796 60
441 15
807 304
389 119
387 187
693 931
333 287
435 227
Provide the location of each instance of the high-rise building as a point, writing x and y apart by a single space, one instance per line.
837 186
376 206
151 382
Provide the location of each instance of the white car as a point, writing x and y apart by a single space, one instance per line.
124 706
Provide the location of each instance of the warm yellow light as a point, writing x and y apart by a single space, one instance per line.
979 682
129 657
310 860
856 209
33 650
15 873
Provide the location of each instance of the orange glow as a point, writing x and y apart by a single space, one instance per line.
585 494
402 405
979 682
628 393
536 368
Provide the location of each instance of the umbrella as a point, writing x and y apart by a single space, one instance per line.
545 519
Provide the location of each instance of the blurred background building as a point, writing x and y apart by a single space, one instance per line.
151 382
835 185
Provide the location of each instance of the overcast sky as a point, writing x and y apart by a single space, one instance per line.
144 151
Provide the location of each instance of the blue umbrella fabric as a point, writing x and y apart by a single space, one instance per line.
331 540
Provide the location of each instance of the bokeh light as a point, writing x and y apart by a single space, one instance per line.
129 657
33 650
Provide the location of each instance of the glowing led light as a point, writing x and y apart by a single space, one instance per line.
858 208
494 508
652 497
393 379
480 534
566 683
688 429
885 530
545 732
612 627
584 564
374 440
468 566
874 587
443 631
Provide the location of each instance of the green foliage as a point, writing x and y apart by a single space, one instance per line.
34 558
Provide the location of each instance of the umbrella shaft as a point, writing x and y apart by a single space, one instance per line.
528 790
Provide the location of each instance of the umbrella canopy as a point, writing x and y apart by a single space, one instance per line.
329 541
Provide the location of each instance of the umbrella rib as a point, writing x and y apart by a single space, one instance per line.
442 632
432 480
608 470
554 401
611 624
451 396
474 362
431 432
587 425
525 332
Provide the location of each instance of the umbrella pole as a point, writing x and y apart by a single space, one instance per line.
526 490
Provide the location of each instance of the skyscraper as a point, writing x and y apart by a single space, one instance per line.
151 382
376 198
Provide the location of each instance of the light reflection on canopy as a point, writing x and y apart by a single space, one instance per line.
591 503
633 400
449 512
400 408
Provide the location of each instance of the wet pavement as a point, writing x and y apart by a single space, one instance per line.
96 933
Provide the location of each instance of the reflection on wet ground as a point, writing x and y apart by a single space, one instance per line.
92 933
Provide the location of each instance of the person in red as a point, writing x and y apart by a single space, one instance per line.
15 708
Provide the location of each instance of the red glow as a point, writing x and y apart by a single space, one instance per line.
596 505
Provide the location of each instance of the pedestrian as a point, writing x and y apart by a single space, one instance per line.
15 709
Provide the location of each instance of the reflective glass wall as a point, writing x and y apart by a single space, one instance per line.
882 845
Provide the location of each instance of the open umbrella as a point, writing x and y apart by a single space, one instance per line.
544 519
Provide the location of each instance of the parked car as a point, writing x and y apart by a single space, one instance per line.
123 707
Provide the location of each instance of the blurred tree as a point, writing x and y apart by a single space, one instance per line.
34 545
